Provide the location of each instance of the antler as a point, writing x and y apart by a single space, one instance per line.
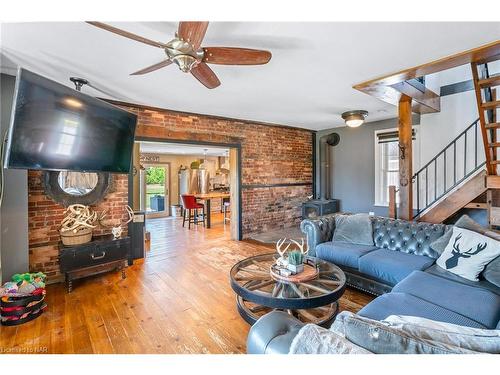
280 243
456 246
130 213
78 217
115 223
301 246
479 248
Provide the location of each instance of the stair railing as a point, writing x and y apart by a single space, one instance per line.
444 171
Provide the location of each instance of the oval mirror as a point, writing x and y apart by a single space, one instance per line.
77 183
68 187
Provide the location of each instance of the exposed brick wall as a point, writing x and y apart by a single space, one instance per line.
45 215
270 155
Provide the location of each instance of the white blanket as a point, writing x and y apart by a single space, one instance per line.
312 339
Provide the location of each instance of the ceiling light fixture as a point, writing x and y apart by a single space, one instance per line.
353 119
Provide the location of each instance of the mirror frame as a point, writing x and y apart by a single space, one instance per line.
58 195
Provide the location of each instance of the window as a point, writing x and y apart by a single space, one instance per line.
387 163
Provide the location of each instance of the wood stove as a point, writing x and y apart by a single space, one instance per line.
319 207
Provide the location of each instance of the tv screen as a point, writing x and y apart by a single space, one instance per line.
54 127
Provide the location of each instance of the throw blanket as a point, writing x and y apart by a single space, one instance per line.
312 339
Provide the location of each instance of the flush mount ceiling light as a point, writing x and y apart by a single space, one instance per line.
353 119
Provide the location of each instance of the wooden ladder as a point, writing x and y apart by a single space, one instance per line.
487 106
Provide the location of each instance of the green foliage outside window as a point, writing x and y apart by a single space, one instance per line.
155 175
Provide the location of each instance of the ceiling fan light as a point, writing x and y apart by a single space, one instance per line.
185 62
353 119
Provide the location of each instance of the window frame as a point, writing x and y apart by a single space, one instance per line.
378 202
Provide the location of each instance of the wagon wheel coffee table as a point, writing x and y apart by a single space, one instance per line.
310 296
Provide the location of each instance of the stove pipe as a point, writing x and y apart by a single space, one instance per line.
326 142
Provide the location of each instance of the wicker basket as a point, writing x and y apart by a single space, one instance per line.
82 236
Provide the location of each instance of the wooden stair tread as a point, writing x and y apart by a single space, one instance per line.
482 206
493 125
489 82
495 162
494 144
491 105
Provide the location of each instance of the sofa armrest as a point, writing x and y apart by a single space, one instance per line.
318 230
273 333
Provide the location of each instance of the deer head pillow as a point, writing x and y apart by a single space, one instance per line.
468 253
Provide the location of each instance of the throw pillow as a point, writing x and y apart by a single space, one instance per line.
476 339
467 253
464 222
492 272
355 229
380 338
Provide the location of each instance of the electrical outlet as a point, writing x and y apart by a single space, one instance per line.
371 213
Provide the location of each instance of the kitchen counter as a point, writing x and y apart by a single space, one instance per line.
209 196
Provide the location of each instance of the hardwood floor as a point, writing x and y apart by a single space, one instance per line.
178 300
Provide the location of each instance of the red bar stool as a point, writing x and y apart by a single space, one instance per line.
190 205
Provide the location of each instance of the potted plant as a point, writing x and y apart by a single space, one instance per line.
296 261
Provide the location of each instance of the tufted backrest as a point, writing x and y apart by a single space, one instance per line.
318 230
408 237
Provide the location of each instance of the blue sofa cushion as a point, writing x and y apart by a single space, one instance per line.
485 284
407 237
405 304
342 253
392 266
475 303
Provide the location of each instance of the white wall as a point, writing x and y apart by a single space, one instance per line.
438 129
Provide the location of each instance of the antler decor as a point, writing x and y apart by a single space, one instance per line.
77 225
282 260
78 217
115 225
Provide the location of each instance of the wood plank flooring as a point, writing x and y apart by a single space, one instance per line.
177 300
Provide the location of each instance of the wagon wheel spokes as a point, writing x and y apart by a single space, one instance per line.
261 284
297 290
253 271
317 314
316 288
262 266
259 308
277 289
250 278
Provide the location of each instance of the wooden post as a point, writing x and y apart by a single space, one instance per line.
392 202
405 159
234 191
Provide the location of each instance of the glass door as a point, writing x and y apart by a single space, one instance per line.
155 190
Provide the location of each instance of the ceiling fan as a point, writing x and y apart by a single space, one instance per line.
185 50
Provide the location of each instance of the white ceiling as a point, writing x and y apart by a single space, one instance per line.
181 149
308 82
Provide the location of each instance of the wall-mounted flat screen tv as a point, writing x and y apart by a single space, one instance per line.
54 127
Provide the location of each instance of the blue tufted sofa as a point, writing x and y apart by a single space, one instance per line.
400 247
400 268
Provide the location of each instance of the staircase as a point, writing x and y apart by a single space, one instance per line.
488 105
447 184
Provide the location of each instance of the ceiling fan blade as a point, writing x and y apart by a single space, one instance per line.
192 32
235 56
126 34
152 68
205 75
